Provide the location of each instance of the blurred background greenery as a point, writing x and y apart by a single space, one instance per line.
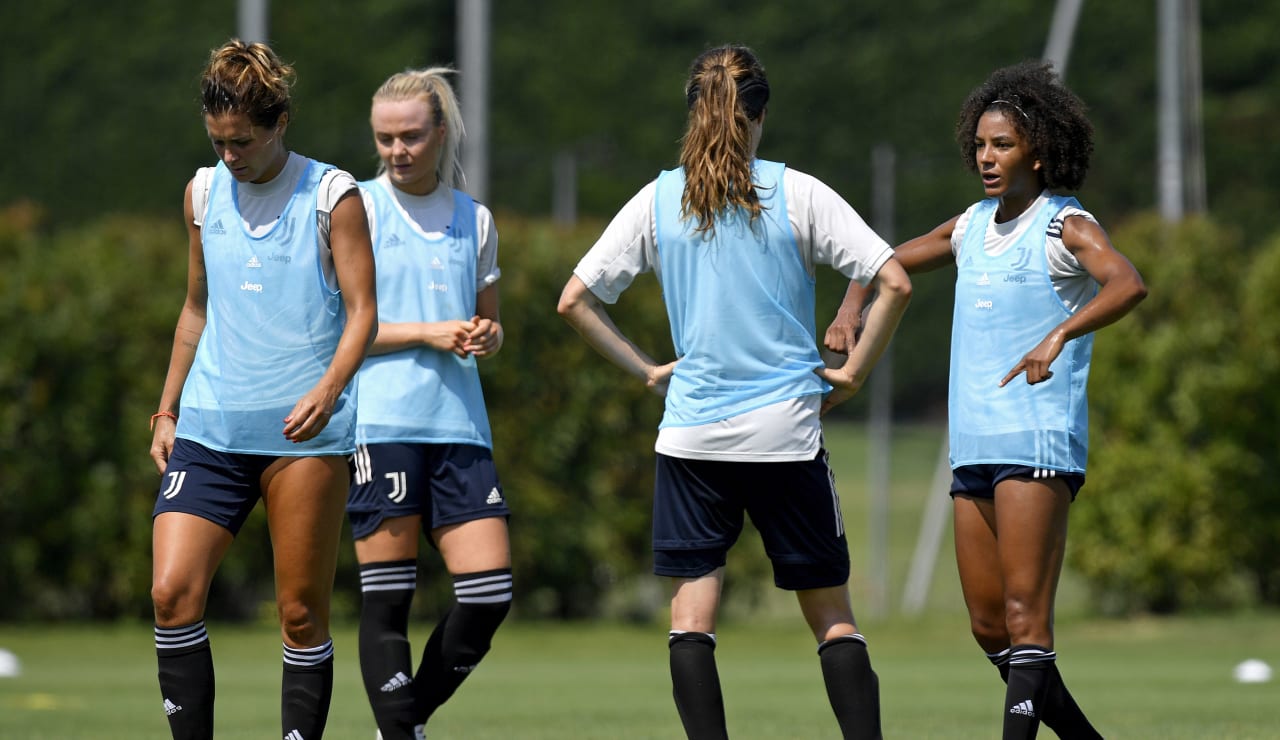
102 113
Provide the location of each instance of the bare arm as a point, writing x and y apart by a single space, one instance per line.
1121 288
480 335
921 254
586 314
186 337
485 339
353 264
893 289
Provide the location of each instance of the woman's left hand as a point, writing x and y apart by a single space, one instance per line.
310 415
485 339
1036 362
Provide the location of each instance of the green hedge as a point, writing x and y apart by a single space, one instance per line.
1180 509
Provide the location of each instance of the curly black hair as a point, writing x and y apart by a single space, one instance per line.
1049 116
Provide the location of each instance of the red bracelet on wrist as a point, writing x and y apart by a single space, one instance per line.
159 414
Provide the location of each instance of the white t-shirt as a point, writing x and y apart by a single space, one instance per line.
827 231
431 214
260 204
1072 282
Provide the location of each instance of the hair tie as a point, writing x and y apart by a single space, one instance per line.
753 94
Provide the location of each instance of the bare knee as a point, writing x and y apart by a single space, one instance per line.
300 624
1027 622
989 631
176 602
828 612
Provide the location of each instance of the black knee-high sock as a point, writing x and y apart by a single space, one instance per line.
305 690
462 637
1025 695
1061 713
852 687
695 684
1001 661
386 664
186 680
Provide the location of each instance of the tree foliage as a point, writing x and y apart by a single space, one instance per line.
88 312
1178 510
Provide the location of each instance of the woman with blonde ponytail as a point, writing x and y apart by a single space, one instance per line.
424 461
735 241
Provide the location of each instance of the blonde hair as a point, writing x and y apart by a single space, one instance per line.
431 86
726 92
249 79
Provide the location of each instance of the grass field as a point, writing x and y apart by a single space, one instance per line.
1139 678
1166 679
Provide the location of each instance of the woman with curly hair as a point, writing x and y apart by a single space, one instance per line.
1036 277
735 241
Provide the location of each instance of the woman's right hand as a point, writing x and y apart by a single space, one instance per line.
162 442
449 336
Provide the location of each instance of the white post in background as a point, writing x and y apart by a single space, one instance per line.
1061 32
880 420
1195 189
473 68
564 190
933 528
251 20
1169 167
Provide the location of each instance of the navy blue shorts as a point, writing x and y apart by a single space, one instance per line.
979 481
698 508
222 487
442 483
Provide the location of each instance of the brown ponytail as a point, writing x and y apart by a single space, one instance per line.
726 92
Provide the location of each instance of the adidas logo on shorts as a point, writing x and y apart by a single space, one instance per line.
1024 708
494 497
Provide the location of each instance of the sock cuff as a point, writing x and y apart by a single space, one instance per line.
391 575
1031 656
185 639
855 638
483 587
312 657
704 638
1000 658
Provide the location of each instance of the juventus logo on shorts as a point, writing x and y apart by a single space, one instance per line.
176 479
399 486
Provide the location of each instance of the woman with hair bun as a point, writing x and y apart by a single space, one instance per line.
257 403
424 461
1036 276
734 241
